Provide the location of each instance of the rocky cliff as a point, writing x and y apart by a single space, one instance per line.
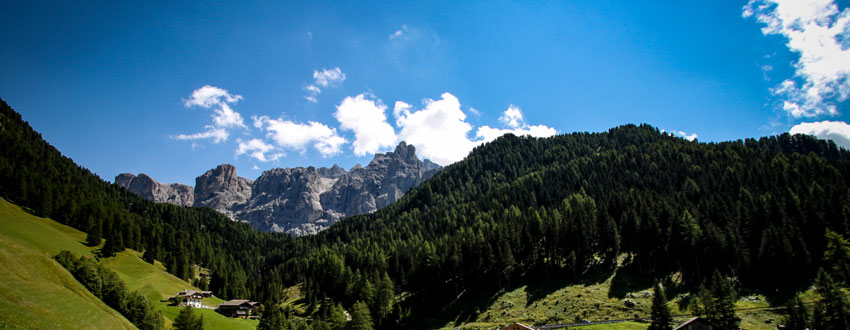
222 190
145 186
298 201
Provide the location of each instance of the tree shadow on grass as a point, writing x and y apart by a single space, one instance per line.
628 279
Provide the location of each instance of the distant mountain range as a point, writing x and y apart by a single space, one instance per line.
298 201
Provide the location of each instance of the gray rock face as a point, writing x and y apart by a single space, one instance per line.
302 201
222 190
145 186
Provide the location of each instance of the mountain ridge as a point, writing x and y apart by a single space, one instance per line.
298 201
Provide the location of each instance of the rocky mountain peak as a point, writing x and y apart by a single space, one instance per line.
220 188
300 200
145 186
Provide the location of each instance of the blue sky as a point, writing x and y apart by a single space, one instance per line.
174 89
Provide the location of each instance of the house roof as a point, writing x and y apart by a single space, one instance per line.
692 320
237 302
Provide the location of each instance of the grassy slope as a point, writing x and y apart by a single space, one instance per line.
35 291
156 284
571 302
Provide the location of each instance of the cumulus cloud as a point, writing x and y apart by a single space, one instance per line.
257 149
512 117
209 96
296 136
439 130
837 131
366 118
820 34
223 117
323 79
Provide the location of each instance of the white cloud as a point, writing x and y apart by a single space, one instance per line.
259 121
216 133
512 117
820 34
395 34
327 77
367 119
487 133
295 136
686 136
398 33
209 96
223 116
439 131
837 131
474 111
257 149
324 79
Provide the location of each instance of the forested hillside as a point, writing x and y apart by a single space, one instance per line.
515 210
36 175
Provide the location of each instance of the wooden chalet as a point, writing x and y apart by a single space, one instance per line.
517 326
238 308
189 298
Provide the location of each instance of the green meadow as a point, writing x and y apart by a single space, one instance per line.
38 293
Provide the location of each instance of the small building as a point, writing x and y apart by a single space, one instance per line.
697 323
238 308
189 298
517 326
206 294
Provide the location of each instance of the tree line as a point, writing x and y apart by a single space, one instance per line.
515 210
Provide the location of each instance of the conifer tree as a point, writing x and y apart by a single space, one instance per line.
187 320
661 316
360 317
833 311
273 319
798 316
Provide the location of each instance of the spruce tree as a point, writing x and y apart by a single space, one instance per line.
833 311
273 319
360 317
187 320
724 297
798 316
661 316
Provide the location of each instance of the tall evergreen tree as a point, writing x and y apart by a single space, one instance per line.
360 317
661 315
724 298
798 316
187 320
832 312
273 318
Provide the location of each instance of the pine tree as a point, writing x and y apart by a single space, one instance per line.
724 297
187 320
273 319
833 311
661 316
95 236
798 316
360 317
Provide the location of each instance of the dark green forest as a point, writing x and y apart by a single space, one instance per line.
516 210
